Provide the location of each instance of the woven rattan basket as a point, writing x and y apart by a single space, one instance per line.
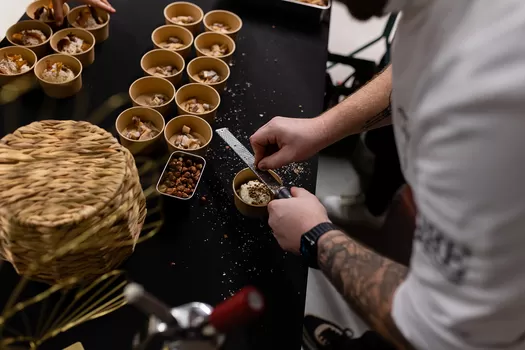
71 203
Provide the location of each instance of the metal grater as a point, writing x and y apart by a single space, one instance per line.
277 189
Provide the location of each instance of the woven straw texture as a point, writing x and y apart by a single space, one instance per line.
71 203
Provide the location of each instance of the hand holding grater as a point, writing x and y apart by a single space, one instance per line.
279 191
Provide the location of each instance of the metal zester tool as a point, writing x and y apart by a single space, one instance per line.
279 191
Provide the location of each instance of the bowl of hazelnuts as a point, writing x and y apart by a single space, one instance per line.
181 175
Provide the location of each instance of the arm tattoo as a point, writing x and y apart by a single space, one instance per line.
366 280
377 119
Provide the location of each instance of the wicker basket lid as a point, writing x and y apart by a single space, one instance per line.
58 179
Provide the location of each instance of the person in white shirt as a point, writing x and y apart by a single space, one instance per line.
457 94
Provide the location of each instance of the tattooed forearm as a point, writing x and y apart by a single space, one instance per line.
380 119
365 279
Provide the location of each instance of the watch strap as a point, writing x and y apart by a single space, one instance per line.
309 242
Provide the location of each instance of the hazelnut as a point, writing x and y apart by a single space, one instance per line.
193 169
177 174
199 166
189 162
187 174
184 195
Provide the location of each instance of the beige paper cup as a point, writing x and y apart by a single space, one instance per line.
197 124
152 85
225 17
162 34
161 57
201 92
41 49
254 211
183 8
101 32
35 5
60 90
209 63
207 39
87 57
26 54
145 114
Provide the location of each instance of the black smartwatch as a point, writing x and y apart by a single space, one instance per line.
309 243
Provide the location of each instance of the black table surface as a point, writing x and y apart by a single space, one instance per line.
204 252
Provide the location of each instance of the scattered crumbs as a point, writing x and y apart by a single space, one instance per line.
225 236
243 54
227 147
300 106
248 84
302 111
273 27
275 60
172 263
261 115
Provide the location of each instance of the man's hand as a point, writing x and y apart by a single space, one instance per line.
296 140
59 11
290 218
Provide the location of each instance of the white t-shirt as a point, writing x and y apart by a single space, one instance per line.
459 116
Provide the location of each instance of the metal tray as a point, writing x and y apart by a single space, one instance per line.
307 10
187 155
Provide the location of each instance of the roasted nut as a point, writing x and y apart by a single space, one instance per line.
193 169
199 166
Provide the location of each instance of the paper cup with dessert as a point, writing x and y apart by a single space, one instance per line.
184 14
59 75
153 92
215 45
173 38
42 10
251 196
75 42
224 22
140 129
188 133
198 99
209 71
163 64
181 176
92 19
32 34
16 62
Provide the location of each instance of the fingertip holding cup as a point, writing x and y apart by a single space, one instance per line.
32 8
146 86
100 32
145 114
162 34
86 57
183 8
196 124
249 210
60 89
161 58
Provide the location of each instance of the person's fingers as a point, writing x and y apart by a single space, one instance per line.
299 192
58 11
276 160
259 140
102 4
